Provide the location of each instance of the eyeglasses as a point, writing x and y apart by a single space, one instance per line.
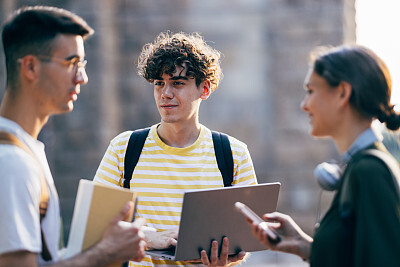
74 63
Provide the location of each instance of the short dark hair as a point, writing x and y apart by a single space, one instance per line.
367 74
171 50
32 30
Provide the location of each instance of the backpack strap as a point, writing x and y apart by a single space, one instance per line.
346 208
222 147
392 165
10 139
390 162
223 154
132 154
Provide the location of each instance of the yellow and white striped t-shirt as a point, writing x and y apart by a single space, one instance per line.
164 173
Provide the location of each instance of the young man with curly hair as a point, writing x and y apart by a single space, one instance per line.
178 153
45 60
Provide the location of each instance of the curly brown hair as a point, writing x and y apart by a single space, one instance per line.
183 50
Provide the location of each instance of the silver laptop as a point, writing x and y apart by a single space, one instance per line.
210 214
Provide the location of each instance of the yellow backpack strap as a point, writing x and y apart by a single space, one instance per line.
10 139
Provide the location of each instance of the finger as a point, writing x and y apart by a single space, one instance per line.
143 245
264 238
274 225
174 233
258 233
172 242
124 212
204 257
214 252
241 255
254 229
141 253
139 222
275 216
224 250
140 235
249 221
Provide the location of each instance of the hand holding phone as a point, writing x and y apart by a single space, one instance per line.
246 211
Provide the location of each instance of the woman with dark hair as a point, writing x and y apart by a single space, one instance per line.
346 88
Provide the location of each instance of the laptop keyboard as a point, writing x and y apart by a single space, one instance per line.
170 251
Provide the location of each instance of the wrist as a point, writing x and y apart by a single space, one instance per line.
103 253
97 255
304 249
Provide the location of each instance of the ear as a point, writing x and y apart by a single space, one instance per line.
345 90
206 89
29 67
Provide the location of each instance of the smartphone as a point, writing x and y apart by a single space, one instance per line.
246 211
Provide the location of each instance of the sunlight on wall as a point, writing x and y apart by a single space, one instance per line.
378 28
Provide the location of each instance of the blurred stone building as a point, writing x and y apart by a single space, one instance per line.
265 45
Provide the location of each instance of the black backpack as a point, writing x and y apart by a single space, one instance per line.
222 149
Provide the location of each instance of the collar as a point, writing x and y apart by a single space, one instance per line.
367 138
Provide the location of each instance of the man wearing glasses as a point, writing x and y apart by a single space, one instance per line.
44 51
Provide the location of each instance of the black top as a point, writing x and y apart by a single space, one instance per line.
367 231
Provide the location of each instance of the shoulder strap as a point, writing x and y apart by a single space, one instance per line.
132 154
390 162
223 153
10 139
346 209
393 167
222 149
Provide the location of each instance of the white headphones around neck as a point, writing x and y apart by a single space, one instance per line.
328 175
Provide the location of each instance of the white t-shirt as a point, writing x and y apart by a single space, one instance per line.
20 190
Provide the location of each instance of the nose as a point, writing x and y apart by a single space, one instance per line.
167 92
303 104
81 76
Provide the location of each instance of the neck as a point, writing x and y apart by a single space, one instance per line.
22 110
178 135
349 135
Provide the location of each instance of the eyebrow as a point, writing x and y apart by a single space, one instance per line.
179 78
174 78
72 57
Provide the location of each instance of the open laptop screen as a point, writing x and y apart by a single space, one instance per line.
209 214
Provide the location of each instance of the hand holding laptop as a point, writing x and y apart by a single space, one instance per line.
162 239
209 214
224 257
